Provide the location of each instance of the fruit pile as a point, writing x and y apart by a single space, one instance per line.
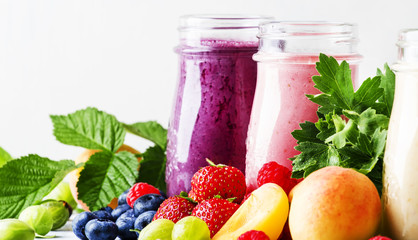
136 209
217 207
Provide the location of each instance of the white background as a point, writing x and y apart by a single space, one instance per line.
58 56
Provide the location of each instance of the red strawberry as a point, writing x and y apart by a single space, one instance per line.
380 238
253 235
175 208
225 181
215 212
272 172
139 189
285 235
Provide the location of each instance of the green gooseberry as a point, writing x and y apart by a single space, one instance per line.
159 229
13 229
60 212
38 218
62 192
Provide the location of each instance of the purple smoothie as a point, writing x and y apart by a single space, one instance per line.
211 111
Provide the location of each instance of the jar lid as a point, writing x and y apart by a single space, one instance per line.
217 21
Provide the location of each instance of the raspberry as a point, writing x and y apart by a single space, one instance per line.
272 172
380 238
253 235
138 190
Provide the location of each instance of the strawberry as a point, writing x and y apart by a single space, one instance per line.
138 190
215 212
253 235
380 238
175 208
278 174
212 180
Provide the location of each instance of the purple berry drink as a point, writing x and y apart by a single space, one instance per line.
213 103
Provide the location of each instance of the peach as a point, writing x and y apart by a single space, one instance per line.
74 175
334 203
265 210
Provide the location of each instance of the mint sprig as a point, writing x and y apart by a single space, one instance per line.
27 180
352 126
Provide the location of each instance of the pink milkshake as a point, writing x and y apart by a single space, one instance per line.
284 77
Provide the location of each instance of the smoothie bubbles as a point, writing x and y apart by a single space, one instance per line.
285 66
214 95
400 165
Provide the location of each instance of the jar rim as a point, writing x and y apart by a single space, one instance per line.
289 29
408 37
221 21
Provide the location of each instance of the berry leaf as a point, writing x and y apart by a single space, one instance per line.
89 128
105 176
151 130
4 157
152 169
27 180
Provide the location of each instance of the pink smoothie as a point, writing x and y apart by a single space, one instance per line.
280 105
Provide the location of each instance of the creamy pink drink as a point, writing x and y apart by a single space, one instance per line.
280 105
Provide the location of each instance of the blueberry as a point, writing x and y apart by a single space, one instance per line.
99 229
163 194
125 223
144 219
119 210
103 214
147 202
107 209
79 224
122 198
128 213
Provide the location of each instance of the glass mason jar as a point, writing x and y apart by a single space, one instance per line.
400 165
286 63
214 95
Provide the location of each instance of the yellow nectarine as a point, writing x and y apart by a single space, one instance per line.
265 210
334 203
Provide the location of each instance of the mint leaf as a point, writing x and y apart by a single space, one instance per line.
4 157
152 169
335 80
28 179
89 128
105 176
388 85
151 130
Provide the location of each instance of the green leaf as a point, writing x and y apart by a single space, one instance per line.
27 180
339 139
388 84
335 80
151 130
152 167
369 121
367 94
314 156
4 157
105 176
89 128
307 132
